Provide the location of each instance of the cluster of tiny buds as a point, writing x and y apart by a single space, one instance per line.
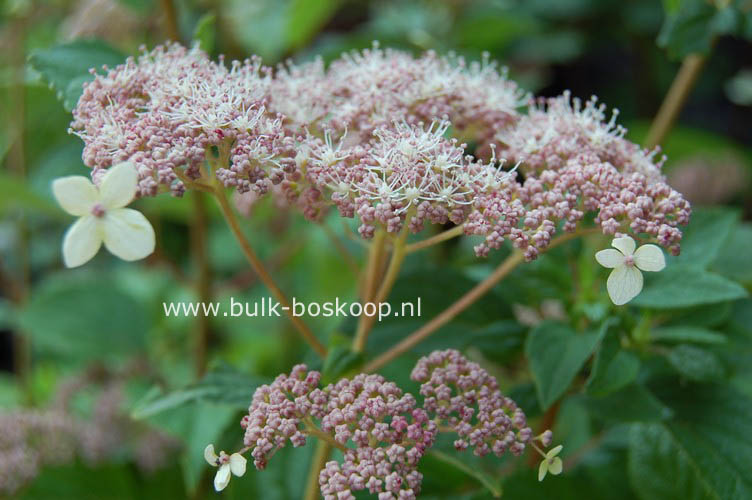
54 436
383 136
383 432
466 399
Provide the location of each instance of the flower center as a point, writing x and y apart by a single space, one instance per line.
629 260
98 210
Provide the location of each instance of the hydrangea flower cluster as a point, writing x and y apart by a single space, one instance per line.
382 135
383 432
463 396
574 160
33 439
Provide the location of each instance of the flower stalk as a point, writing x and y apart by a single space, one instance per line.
320 457
475 293
395 264
263 274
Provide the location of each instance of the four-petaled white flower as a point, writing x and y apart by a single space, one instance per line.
125 232
625 281
227 464
551 463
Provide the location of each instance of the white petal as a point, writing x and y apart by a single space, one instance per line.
554 451
222 478
76 194
555 466
210 456
237 464
625 244
82 241
649 258
127 234
609 258
119 186
624 283
542 469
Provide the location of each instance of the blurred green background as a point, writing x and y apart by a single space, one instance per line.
104 328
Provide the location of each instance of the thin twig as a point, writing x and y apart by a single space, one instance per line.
461 304
171 20
199 251
395 264
318 462
433 240
674 100
263 274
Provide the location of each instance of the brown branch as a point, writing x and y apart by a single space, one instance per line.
674 101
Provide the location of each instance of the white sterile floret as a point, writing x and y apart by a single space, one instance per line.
102 217
551 463
228 464
625 281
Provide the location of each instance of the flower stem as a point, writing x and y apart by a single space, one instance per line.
263 274
433 240
312 430
199 224
318 462
373 267
461 304
674 100
395 264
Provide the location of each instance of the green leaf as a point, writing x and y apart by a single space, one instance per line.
66 67
684 286
306 18
733 259
261 26
695 363
205 32
704 452
692 27
207 423
492 484
222 386
15 195
340 362
685 333
556 354
705 235
613 369
86 317
633 403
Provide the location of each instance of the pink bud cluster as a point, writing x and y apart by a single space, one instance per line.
378 135
575 161
34 439
460 394
164 110
383 432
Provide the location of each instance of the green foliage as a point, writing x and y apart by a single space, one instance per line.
691 26
205 32
613 368
66 67
686 286
492 484
695 363
686 333
556 354
223 386
87 317
703 452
